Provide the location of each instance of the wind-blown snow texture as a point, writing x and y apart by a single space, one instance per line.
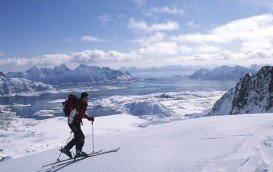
222 73
203 144
20 86
62 74
253 94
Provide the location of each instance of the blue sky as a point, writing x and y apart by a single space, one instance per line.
133 32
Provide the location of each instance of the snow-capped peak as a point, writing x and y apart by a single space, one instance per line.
253 94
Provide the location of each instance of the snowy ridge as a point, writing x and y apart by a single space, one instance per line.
253 94
62 74
20 86
222 73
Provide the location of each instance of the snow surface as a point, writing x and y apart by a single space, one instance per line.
217 143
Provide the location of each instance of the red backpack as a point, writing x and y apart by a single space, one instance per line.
69 104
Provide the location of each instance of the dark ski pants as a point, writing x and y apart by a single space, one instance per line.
78 139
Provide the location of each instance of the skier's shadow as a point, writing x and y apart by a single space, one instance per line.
69 163
63 165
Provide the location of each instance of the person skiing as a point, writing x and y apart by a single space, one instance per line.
74 121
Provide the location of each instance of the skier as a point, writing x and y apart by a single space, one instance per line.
74 122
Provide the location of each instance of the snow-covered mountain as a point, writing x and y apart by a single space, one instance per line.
9 86
62 74
199 74
222 73
253 94
256 67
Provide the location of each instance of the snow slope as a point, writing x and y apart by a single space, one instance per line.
217 143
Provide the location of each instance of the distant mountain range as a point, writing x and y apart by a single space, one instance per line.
252 94
63 74
223 73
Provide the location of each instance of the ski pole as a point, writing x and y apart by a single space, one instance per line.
93 145
58 159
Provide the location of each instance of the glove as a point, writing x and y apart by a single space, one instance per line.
91 119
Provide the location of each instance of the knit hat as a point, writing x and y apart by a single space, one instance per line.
84 94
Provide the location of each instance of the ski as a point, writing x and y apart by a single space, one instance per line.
60 161
82 158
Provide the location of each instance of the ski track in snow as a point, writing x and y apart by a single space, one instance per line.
255 153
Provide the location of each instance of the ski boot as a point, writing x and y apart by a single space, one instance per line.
67 152
80 153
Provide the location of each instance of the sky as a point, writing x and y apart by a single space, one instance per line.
141 33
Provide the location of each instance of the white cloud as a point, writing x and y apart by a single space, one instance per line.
143 26
261 54
224 55
104 18
157 37
159 49
243 41
89 57
192 24
237 41
208 49
14 61
89 38
199 38
140 2
252 34
45 60
50 60
168 26
185 49
165 10
252 28
256 45
137 25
